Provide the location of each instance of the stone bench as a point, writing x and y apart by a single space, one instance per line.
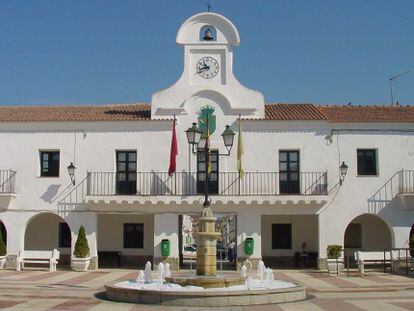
38 257
374 258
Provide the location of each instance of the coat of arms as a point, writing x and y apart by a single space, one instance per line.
205 117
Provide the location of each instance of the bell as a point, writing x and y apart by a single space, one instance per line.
208 35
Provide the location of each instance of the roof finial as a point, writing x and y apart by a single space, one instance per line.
208 6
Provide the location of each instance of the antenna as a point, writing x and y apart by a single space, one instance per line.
208 6
392 79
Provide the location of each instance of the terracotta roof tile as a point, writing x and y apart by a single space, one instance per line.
123 112
344 114
276 111
293 112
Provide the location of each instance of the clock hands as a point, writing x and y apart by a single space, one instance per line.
201 69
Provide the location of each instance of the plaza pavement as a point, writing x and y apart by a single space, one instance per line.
67 290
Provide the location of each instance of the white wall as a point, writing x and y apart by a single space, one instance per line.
111 232
249 226
42 233
304 229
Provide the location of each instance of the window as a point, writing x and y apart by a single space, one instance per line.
64 235
126 172
49 163
353 236
133 235
281 236
201 172
289 181
367 162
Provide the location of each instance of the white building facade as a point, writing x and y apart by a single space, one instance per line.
292 191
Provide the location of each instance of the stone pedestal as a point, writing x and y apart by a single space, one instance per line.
11 261
206 244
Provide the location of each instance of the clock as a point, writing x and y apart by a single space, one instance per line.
207 67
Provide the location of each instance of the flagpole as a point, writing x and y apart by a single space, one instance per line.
175 173
238 152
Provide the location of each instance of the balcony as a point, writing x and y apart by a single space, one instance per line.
192 184
400 185
7 190
7 182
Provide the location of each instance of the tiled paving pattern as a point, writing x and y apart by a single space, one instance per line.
66 290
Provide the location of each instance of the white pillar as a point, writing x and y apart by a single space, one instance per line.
249 225
166 227
15 224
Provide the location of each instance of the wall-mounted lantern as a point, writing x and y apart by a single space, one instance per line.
71 172
343 170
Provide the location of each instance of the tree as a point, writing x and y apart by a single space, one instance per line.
3 249
81 245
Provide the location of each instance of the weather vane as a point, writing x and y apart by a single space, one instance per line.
208 6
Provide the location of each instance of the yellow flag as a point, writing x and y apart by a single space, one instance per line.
240 151
208 153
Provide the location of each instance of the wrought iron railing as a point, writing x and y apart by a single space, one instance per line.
406 181
402 182
7 181
185 184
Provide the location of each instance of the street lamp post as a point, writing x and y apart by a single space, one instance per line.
207 235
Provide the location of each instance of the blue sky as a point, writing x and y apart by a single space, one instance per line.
121 51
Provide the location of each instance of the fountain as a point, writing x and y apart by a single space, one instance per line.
206 288
145 290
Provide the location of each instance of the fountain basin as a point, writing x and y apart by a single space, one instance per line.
176 295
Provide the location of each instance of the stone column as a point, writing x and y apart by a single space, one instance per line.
206 244
15 224
166 227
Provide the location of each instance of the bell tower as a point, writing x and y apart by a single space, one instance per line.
208 40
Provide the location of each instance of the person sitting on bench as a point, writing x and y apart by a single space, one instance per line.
303 256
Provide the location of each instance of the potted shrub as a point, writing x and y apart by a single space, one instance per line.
81 259
334 262
3 252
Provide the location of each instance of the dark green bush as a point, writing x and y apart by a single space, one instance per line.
334 251
81 245
3 249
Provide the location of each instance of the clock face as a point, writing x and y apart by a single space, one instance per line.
207 67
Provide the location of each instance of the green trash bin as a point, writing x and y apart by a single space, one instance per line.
249 246
165 248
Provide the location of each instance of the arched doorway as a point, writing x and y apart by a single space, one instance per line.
3 232
367 232
48 231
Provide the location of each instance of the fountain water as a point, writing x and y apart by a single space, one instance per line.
248 283
148 273
160 278
261 269
167 271
269 277
140 277
244 271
